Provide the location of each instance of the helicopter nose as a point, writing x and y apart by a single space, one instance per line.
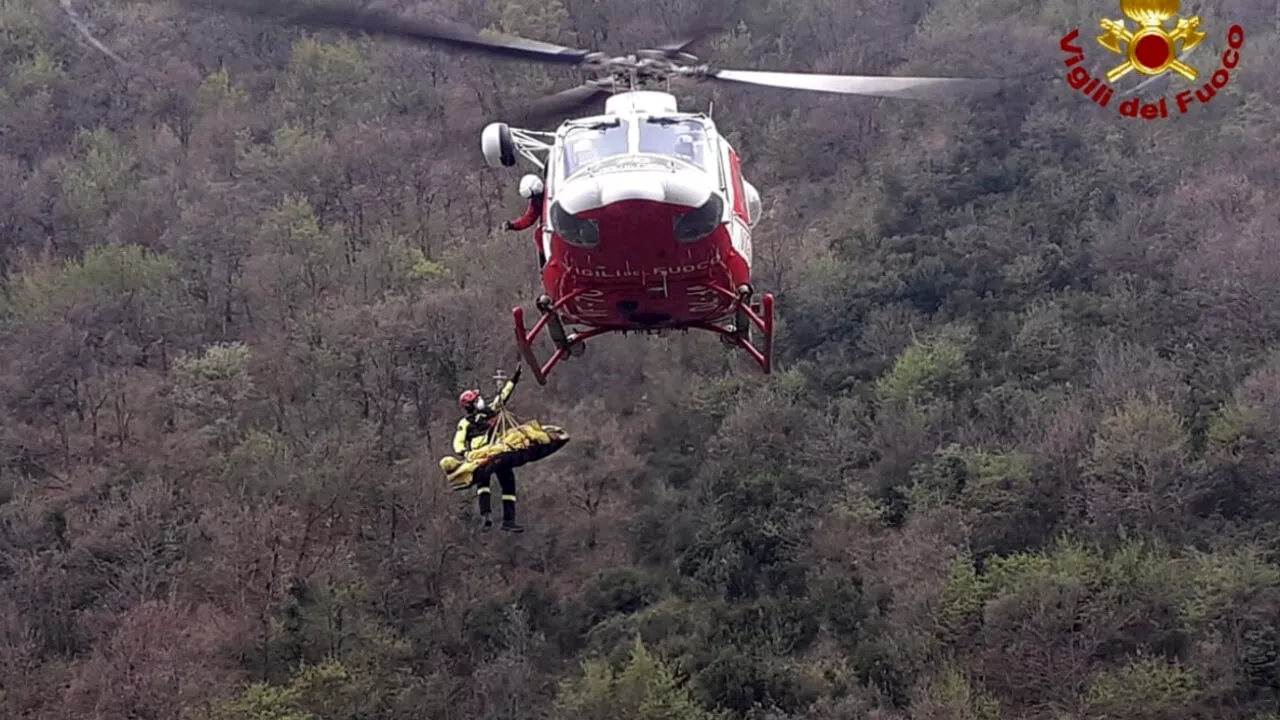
688 188
637 187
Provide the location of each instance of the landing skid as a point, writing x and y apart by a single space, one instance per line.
746 315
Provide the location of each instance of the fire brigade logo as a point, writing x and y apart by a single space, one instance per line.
1150 49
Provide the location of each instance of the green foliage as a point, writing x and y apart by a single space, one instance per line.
326 65
928 372
423 268
735 43
1139 467
775 627
40 73
321 76
264 702
1211 595
1142 443
543 21
108 274
674 628
996 483
308 257
326 691
1136 572
315 628
1045 342
986 481
962 698
388 267
1228 434
751 545
293 227
994 489
217 93
962 600
292 153
715 400
261 465
1241 428
1133 566
1220 585
842 607
102 175
621 590
22 34
740 680
646 689
213 387
1148 687
546 21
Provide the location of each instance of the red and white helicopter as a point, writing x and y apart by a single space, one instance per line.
646 227
647 218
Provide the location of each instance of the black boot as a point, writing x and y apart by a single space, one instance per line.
509 517
485 508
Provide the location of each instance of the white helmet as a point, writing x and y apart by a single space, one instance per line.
530 185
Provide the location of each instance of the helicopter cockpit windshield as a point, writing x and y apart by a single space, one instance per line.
684 139
585 145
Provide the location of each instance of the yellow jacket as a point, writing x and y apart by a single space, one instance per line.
474 429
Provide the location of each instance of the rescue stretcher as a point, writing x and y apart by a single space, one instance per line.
513 445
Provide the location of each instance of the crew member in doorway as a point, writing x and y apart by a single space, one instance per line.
532 189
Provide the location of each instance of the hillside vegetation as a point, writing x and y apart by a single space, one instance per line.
1019 461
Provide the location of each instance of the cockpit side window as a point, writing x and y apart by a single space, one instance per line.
583 146
684 139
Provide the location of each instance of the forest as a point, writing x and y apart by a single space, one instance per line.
1018 458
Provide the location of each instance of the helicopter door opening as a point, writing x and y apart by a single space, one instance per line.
584 146
682 139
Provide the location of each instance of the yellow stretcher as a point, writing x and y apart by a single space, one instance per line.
513 445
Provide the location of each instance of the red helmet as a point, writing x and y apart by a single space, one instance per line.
468 398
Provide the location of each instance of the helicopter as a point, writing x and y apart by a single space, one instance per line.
646 226
647 216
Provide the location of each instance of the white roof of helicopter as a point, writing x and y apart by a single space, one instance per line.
642 103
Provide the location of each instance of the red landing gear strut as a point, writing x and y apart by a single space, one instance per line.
746 314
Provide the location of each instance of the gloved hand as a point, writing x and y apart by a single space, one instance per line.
515 376
508 225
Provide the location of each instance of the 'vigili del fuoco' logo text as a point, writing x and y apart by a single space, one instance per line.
1151 49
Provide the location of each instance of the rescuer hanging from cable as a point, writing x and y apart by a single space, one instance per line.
475 430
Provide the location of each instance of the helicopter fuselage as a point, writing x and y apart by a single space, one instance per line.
646 226
639 270
647 222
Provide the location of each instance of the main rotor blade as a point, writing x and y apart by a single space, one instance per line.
708 20
698 32
561 103
336 16
873 85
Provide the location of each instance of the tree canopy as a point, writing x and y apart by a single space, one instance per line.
1018 459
